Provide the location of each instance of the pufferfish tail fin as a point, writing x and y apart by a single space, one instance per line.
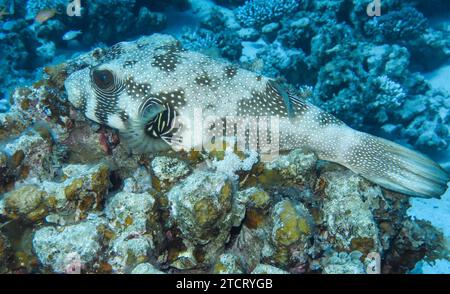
395 167
383 162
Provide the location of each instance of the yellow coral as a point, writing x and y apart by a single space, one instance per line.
292 225
225 192
260 199
219 268
270 177
128 221
72 190
205 212
100 180
25 201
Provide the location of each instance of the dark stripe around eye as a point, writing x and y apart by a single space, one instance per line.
106 96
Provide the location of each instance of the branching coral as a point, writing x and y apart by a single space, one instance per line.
389 92
398 26
260 12
199 39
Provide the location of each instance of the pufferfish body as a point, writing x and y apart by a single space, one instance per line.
150 88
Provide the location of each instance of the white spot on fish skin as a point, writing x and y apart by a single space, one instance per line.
229 96
73 85
91 105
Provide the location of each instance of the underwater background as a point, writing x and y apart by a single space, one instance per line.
73 200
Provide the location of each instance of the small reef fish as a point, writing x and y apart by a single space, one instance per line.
45 14
70 35
140 88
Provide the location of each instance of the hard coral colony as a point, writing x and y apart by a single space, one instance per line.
101 170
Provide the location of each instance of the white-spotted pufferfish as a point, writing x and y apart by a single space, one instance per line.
141 87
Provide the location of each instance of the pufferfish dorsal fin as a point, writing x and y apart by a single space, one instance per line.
286 96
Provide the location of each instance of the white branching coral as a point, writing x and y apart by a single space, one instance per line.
260 12
390 93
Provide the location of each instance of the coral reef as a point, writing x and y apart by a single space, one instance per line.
227 264
358 65
4 253
260 12
145 269
26 202
201 207
267 269
343 263
73 198
347 216
32 35
129 214
76 245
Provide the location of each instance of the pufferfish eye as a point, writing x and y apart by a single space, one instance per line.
104 79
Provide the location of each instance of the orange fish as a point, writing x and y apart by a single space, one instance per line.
45 14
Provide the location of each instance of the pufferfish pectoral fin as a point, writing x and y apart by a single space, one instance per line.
151 111
395 167
138 133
